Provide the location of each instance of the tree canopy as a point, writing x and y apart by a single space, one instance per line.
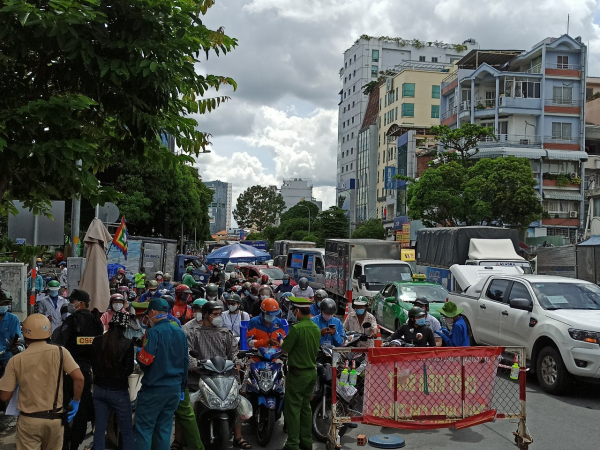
371 229
96 82
258 207
461 144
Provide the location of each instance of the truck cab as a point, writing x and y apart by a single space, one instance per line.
371 275
201 272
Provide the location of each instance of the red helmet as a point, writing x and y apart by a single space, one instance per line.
123 290
182 288
265 279
121 271
116 297
254 288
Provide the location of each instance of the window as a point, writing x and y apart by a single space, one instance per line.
352 150
350 166
346 167
435 111
434 59
375 55
519 290
497 289
421 58
344 95
354 73
353 120
353 104
344 124
561 130
408 110
342 169
385 120
396 113
344 80
354 57
349 76
435 92
562 95
353 135
354 88
346 64
408 90
562 62
343 139
379 104
396 93
374 70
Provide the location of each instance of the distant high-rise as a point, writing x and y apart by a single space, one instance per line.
219 210
295 190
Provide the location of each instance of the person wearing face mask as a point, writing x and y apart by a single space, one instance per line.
167 285
140 281
151 292
212 294
332 329
266 330
302 289
116 304
458 336
181 310
211 340
164 360
234 315
315 307
357 317
197 312
285 286
119 280
158 276
77 334
415 331
264 293
9 328
251 297
432 322
50 305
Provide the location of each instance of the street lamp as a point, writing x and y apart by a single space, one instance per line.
304 206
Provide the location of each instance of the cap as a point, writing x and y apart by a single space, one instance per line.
63 263
79 295
301 302
157 304
421 301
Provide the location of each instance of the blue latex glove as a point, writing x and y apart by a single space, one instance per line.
444 330
182 396
72 410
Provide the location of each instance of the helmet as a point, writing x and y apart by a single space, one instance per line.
267 289
116 297
152 284
303 283
254 288
415 311
421 301
123 290
158 273
167 277
235 298
198 303
247 286
321 293
361 300
169 299
189 269
328 306
212 290
182 288
264 279
270 307
37 326
208 307
38 260
122 271
233 276
285 277
53 285
62 263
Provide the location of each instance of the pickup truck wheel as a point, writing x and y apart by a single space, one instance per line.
551 371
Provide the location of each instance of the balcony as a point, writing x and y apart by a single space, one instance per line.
447 116
449 83
512 140
564 70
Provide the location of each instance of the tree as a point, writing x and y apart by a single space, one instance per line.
331 224
254 237
95 82
299 211
258 207
461 144
371 229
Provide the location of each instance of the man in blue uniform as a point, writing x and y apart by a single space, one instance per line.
9 328
164 360
332 329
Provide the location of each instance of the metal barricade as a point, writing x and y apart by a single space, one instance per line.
428 388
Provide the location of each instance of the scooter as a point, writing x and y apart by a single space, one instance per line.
266 387
218 399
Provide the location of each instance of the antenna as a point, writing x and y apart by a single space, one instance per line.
568 17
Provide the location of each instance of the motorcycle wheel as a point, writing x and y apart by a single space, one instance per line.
264 426
221 430
321 423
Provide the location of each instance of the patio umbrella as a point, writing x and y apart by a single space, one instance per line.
94 279
236 253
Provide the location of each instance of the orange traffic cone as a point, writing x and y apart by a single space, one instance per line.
378 342
346 312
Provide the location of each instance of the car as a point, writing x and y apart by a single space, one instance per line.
391 304
275 274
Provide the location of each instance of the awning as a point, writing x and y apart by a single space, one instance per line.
563 195
494 152
567 155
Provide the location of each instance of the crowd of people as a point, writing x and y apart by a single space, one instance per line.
156 330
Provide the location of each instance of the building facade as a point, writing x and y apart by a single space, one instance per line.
219 210
535 101
295 190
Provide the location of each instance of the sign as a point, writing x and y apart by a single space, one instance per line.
84 340
405 239
407 255
50 231
390 181
296 261
309 262
344 185
21 241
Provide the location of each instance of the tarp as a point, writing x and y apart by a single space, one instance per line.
494 249
94 280
443 247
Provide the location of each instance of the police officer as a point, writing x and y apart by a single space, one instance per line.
77 334
10 331
301 344
38 371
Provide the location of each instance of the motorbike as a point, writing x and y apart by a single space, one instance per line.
216 401
322 401
265 389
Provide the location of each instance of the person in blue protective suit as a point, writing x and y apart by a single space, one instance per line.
332 329
315 307
166 285
10 332
151 292
53 306
164 360
459 335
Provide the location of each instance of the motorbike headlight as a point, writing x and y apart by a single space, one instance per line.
592 337
233 398
265 380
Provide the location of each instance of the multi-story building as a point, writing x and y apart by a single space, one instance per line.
535 100
295 190
219 210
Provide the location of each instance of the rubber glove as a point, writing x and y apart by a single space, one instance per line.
72 410
182 396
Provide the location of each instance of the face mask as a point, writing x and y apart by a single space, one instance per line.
217 321
119 276
247 292
286 281
268 319
422 321
152 292
211 297
254 297
117 306
319 304
53 293
233 308
3 310
158 277
361 311
264 297
327 317
198 316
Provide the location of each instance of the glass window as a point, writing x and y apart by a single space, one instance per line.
408 110
374 71
396 93
375 55
497 289
354 88
562 95
396 114
567 295
435 111
561 130
435 92
421 58
562 62
519 290
434 59
408 90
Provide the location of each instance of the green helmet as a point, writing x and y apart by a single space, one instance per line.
53 285
234 298
189 269
415 311
198 303
152 284
212 290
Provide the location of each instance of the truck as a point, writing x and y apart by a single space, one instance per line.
308 263
556 319
363 266
281 247
439 248
156 254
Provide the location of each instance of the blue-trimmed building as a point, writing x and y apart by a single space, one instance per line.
535 100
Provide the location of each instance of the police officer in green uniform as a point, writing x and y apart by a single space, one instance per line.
302 345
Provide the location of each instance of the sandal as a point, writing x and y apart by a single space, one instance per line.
176 446
242 443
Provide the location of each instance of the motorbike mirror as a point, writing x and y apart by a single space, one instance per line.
242 354
363 338
367 325
194 354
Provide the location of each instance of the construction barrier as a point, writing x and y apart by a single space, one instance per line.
428 388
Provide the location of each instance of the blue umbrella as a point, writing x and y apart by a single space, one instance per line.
236 253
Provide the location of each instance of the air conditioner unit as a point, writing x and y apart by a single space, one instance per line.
524 141
573 175
573 214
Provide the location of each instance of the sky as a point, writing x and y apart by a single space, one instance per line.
281 122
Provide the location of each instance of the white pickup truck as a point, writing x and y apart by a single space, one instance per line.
556 319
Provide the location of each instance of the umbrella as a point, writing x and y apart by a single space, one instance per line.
236 253
94 280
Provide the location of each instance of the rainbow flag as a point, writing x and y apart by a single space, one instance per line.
120 238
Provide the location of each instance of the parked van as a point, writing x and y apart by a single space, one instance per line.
309 263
